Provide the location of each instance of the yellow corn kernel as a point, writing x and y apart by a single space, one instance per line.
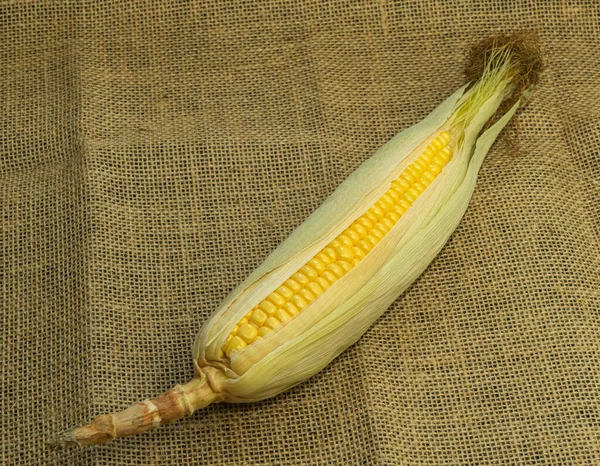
329 276
406 175
414 192
365 246
360 230
377 233
413 171
307 294
381 228
409 197
438 160
376 211
435 168
372 239
281 315
271 323
384 206
268 307
424 162
263 331
387 199
438 143
404 203
393 217
293 285
235 344
315 288
323 257
258 317
330 252
300 278
428 177
291 309
400 185
344 240
344 252
336 270
393 195
353 235
445 154
419 187
346 266
336 243
276 299
248 333
444 136
323 282
419 165
387 222
365 222
371 217
399 209
299 302
427 154
358 253
317 265
286 292
310 273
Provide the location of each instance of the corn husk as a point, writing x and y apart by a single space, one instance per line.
303 345
307 343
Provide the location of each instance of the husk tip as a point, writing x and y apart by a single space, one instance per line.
526 59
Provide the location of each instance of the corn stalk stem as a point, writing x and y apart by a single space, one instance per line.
179 401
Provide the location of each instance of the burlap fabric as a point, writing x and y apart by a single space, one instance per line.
154 153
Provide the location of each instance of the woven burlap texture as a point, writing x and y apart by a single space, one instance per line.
153 153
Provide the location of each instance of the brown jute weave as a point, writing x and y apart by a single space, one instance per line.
153 153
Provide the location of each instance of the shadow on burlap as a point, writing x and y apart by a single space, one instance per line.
152 156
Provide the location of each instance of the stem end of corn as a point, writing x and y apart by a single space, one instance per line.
179 401
63 440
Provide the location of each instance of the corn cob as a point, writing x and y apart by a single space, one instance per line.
319 291
344 253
